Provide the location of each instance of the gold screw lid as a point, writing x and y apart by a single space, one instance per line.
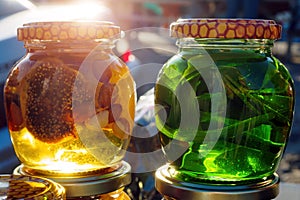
68 30
29 187
84 185
226 28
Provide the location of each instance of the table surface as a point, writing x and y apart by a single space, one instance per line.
289 191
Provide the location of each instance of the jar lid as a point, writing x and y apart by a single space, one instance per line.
168 186
91 184
226 28
29 187
96 184
68 30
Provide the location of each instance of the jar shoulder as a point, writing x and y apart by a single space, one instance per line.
254 70
72 61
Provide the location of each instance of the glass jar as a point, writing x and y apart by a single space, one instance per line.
27 187
224 102
70 100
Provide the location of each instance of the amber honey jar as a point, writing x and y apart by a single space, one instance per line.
70 100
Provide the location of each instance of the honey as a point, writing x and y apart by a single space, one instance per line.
69 101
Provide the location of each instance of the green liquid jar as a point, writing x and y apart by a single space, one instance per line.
224 103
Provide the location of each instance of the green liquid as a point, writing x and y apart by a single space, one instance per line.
251 127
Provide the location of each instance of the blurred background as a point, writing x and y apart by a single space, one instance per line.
131 15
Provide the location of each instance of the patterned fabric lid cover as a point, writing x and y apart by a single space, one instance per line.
68 30
226 28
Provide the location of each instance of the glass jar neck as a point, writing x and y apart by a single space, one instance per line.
261 45
71 46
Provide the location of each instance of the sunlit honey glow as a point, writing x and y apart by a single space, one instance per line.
64 167
26 136
60 153
69 157
57 158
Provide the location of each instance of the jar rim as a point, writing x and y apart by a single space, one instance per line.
68 30
225 28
